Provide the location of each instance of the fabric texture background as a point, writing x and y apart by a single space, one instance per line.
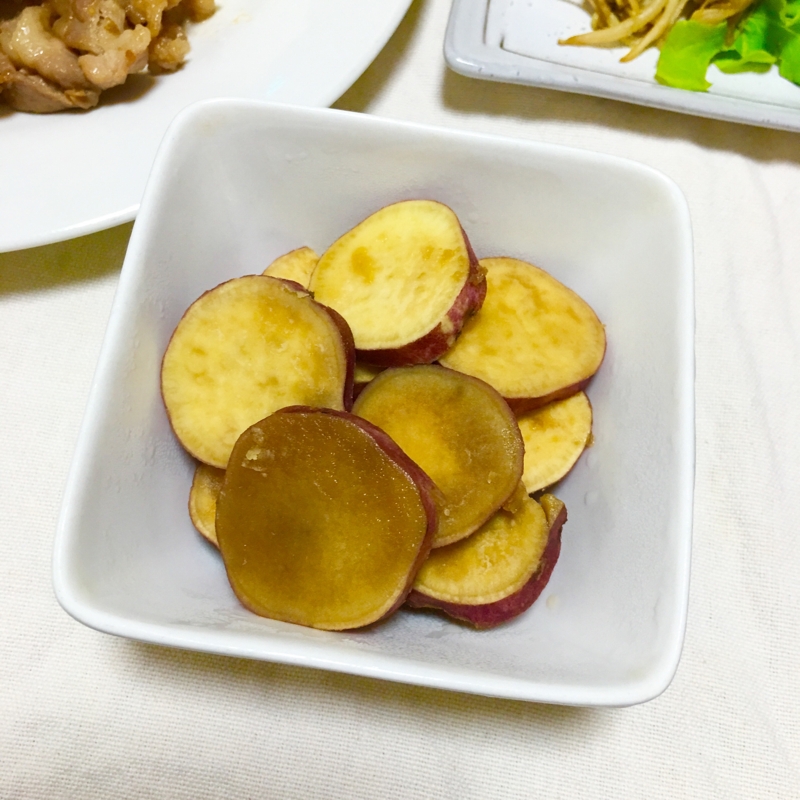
85 715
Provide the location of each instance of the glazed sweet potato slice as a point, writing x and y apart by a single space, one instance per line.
405 279
459 430
203 495
555 435
498 572
245 349
322 520
296 265
534 339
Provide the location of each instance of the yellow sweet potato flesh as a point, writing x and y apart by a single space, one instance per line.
532 337
395 276
243 350
364 373
459 430
552 507
296 265
493 563
317 525
206 486
555 436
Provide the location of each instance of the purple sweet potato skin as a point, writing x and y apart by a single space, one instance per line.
438 341
350 355
521 405
490 615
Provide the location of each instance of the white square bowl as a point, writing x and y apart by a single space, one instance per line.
237 183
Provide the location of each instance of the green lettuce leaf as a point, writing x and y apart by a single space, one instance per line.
789 65
768 34
789 13
784 35
756 44
686 53
759 36
732 62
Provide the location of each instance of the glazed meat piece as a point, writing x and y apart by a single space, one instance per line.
169 49
28 41
98 28
26 92
61 54
30 92
147 12
6 70
198 10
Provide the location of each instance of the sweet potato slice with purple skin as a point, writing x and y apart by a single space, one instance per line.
459 430
555 435
322 520
498 572
296 265
405 279
534 339
206 486
248 347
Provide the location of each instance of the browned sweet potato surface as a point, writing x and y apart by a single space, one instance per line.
459 430
321 521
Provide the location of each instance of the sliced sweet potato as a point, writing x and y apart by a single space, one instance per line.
555 435
459 430
362 375
405 279
296 265
534 339
498 572
203 495
245 349
322 520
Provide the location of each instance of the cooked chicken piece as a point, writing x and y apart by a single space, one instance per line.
148 12
90 26
61 54
198 10
113 67
28 41
98 27
6 68
26 92
168 51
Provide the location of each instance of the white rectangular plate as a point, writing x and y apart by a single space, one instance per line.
237 183
516 41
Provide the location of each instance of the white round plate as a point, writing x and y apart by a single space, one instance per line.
69 174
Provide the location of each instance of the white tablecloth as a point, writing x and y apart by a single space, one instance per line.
84 715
